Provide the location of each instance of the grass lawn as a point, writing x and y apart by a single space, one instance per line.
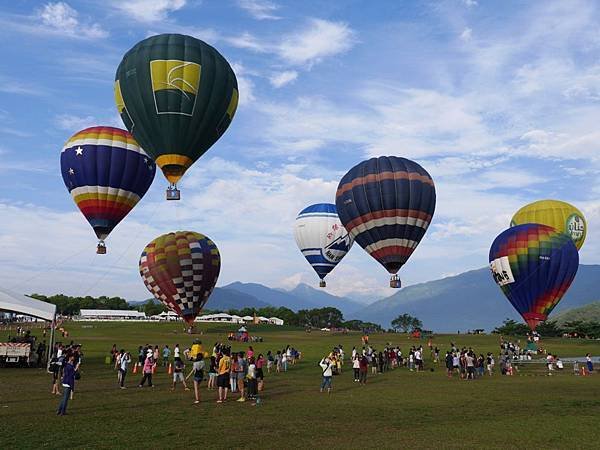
398 409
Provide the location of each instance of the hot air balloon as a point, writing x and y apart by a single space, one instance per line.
107 173
177 95
387 204
181 269
321 238
534 265
556 214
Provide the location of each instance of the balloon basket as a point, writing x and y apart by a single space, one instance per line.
395 282
101 249
173 193
322 284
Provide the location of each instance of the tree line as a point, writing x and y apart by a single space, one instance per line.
575 328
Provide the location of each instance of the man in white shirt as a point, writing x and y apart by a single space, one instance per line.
327 374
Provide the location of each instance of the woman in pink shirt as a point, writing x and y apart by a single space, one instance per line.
260 376
148 369
250 352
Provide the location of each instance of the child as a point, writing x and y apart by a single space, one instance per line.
212 373
178 367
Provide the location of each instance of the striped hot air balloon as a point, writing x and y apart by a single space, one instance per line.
321 238
534 265
107 174
387 204
181 269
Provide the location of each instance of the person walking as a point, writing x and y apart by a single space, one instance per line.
147 370
124 361
449 364
327 374
68 383
589 363
198 372
166 353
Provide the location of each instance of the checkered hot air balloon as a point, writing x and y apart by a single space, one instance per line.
387 204
177 95
181 269
321 238
534 265
107 174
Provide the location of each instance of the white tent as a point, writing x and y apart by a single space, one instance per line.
21 304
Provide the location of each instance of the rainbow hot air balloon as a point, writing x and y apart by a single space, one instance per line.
107 174
321 238
534 265
556 214
177 95
181 269
387 204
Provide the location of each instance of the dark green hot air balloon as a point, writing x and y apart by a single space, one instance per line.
177 95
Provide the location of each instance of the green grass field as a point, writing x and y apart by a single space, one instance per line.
398 409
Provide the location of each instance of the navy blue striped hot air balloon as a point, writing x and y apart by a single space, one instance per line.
387 204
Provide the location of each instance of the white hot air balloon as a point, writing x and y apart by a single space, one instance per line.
321 238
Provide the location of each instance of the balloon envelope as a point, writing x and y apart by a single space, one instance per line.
321 237
556 214
107 174
181 269
387 204
534 265
177 95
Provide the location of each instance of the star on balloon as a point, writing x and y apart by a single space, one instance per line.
79 151
71 171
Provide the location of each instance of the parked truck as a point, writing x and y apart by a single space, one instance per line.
15 353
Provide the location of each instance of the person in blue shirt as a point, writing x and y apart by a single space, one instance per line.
166 353
68 383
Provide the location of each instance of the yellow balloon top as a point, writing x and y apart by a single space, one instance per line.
559 215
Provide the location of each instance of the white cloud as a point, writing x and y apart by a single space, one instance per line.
466 34
149 10
280 79
63 19
320 39
249 42
260 9
245 84
72 123
470 3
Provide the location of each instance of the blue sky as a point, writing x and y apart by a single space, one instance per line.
499 101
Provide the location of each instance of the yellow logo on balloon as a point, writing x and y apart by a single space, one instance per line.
175 85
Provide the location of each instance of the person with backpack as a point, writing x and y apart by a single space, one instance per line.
327 374
198 371
54 368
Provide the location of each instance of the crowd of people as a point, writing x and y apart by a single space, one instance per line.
224 370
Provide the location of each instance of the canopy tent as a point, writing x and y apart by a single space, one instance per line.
21 304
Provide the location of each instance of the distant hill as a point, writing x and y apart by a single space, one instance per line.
587 313
468 301
273 297
320 298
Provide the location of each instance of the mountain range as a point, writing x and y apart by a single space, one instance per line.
587 313
463 302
